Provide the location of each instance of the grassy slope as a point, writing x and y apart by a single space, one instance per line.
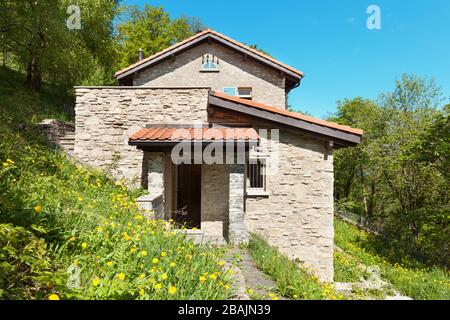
57 216
292 281
408 277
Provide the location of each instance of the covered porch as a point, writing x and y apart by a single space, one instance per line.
196 177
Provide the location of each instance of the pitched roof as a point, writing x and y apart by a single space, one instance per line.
295 119
175 134
202 36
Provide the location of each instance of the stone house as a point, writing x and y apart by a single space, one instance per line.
203 126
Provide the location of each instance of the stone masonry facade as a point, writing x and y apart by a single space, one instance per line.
106 117
268 86
297 215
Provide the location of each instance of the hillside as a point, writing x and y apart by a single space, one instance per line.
70 232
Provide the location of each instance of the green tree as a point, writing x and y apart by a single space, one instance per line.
35 32
150 29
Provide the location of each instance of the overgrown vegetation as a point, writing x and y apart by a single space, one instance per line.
398 178
292 281
70 232
408 276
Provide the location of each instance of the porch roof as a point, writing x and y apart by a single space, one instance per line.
172 135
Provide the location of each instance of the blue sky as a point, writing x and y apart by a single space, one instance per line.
329 41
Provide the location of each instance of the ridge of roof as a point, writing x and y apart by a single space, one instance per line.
220 35
290 114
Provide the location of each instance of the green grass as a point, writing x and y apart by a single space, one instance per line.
70 232
407 276
292 281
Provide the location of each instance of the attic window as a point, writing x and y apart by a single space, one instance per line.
210 63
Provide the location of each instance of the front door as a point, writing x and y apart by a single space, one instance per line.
189 195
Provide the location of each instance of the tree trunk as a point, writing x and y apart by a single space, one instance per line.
34 76
363 188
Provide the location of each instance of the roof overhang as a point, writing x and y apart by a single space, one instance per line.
339 137
293 76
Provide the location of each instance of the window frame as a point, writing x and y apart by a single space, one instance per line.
245 96
203 69
256 192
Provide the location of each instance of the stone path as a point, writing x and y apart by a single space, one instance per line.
257 284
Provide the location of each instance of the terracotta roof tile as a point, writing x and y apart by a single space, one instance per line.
194 134
290 114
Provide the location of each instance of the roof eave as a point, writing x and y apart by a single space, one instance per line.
204 37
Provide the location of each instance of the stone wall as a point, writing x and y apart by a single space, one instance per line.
234 71
106 117
297 216
215 202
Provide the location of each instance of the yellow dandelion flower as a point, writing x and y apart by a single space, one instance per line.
80 199
53 297
121 276
172 264
250 291
84 245
164 276
133 250
100 229
141 292
221 263
109 263
72 238
143 253
9 160
212 276
202 279
141 276
158 286
172 290
5 164
38 208
155 260
163 254
96 282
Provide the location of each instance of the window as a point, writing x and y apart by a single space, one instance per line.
241 92
245 93
256 177
231 91
209 66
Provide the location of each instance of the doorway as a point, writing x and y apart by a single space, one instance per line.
188 195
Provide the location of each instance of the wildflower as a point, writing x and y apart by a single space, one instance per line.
164 276
172 264
100 229
141 276
226 287
53 297
212 276
10 161
250 291
5 164
139 217
72 238
163 254
109 263
221 263
38 208
84 245
202 279
143 253
189 257
96 282
158 286
80 199
155 260
172 290
133 250
141 292
121 276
